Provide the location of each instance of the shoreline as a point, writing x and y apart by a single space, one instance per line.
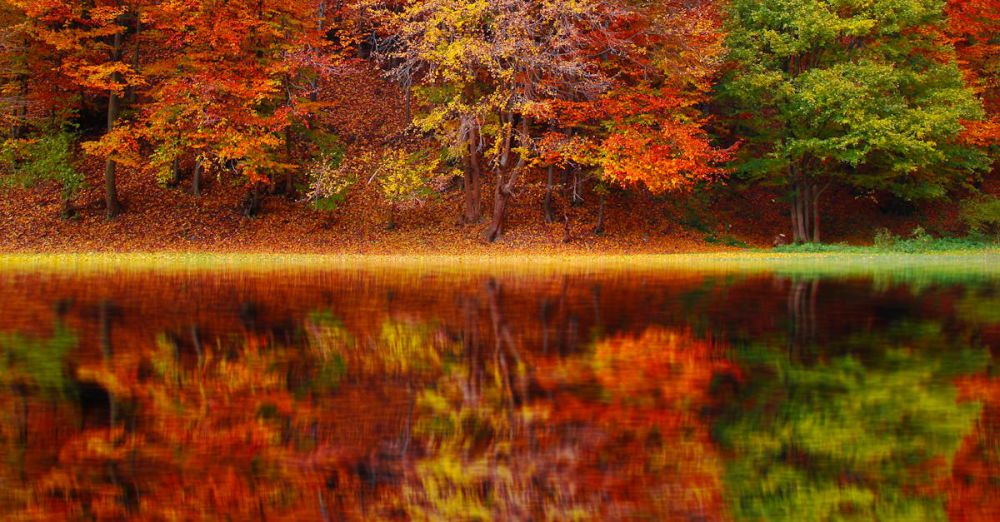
984 262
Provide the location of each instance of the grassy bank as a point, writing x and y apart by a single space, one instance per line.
918 242
860 262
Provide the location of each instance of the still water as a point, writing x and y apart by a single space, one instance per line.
374 395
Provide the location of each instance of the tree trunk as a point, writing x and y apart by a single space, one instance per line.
251 205
391 225
804 212
805 215
577 188
815 204
131 93
320 24
547 211
68 210
19 126
114 107
107 353
599 229
506 181
794 215
408 98
175 173
196 179
802 313
289 151
567 194
473 181
501 197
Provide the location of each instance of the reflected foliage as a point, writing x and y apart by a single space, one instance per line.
374 396
861 429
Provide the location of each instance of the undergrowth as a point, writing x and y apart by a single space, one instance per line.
918 242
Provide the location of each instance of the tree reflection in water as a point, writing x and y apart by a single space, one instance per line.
382 396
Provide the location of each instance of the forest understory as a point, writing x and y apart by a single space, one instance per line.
351 135
170 219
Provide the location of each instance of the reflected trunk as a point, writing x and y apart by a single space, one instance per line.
802 313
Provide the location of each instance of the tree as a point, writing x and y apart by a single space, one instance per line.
823 433
480 65
974 26
90 40
405 178
863 93
229 82
48 157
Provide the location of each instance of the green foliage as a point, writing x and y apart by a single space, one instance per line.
725 240
862 92
37 363
982 215
46 158
884 238
326 144
331 178
849 435
919 241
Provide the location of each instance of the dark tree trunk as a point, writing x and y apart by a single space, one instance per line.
506 180
196 179
815 203
548 211
802 313
472 347
472 186
105 310
567 194
289 152
251 203
112 204
19 126
321 24
805 215
131 92
68 210
501 197
391 225
599 229
175 173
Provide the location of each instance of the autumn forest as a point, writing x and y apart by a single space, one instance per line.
675 124
473 260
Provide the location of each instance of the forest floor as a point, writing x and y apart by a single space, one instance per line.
162 219
169 220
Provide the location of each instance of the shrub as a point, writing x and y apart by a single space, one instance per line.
49 157
982 215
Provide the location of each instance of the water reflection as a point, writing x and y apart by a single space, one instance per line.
358 396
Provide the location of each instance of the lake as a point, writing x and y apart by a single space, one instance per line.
396 394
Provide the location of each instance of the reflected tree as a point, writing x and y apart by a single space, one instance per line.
865 431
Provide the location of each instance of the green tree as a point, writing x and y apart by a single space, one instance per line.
862 93
860 429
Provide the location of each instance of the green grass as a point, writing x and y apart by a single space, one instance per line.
919 242
934 266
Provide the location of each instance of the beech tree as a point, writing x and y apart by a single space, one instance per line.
862 93
479 65
648 130
89 38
